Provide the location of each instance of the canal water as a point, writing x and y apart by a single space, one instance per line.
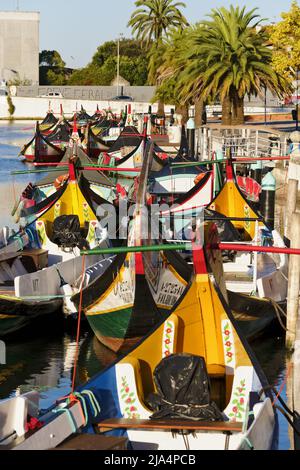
41 357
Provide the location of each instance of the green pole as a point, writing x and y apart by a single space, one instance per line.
137 249
202 162
24 172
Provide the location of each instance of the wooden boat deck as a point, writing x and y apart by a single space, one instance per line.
93 442
174 424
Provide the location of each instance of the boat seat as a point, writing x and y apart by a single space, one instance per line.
44 240
245 381
174 424
128 374
217 378
93 442
14 412
216 370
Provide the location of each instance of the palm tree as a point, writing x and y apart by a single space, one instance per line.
171 66
151 23
228 57
171 89
154 19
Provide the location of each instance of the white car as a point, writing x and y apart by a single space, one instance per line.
52 94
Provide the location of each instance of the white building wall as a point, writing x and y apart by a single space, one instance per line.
37 108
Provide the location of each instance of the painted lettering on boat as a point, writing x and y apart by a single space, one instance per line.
165 284
123 289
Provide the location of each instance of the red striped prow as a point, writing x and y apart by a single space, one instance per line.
254 248
139 265
199 259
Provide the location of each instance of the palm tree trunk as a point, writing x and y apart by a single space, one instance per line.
199 107
183 110
161 109
226 111
238 117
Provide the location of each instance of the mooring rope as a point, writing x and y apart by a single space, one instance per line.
78 325
279 311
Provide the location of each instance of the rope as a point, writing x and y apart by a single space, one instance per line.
94 403
278 310
77 398
248 442
284 409
297 431
78 325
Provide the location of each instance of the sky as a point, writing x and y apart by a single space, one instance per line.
75 28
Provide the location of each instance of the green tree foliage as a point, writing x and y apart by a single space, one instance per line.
151 23
167 64
11 106
156 59
19 82
153 19
285 40
51 59
52 68
103 67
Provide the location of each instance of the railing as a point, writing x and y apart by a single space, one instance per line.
243 142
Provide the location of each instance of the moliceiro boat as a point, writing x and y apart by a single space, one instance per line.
40 265
41 149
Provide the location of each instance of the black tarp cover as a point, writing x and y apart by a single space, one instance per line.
95 176
49 119
61 133
129 137
183 390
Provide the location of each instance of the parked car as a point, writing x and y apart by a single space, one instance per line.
52 94
122 98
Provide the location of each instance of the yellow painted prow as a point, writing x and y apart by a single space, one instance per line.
71 202
231 203
203 329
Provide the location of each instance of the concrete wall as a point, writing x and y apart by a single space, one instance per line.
19 45
96 93
26 107
138 93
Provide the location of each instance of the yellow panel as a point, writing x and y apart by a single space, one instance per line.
199 330
231 203
72 202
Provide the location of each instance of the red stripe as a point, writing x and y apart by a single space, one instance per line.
253 248
139 265
229 171
199 259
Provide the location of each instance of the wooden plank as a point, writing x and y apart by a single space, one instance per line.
93 442
221 426
293 285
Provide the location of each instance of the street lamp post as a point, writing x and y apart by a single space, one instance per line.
118 64
297 101
265 104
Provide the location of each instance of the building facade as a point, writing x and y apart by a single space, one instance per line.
19 46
